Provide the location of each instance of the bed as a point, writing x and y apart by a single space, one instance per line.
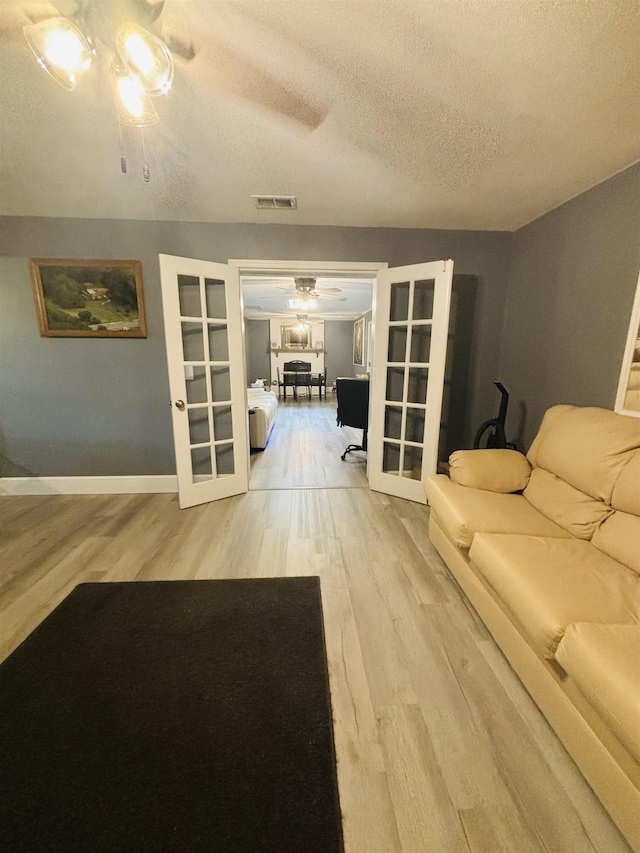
262 414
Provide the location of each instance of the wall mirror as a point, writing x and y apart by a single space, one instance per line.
293 339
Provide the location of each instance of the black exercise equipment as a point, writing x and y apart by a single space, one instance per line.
495 428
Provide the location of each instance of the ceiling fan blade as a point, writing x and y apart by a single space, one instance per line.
147 11
222 67
329 290
178 44
321 295
37 12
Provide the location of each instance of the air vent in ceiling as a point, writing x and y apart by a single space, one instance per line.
276 202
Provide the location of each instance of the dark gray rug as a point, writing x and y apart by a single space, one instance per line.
171 716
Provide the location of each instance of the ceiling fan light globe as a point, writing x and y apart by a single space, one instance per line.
300 303
61 48
133 104
146 57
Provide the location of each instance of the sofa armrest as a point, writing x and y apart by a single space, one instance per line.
492 470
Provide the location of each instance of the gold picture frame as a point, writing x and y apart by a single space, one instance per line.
358 342
88 298
628 396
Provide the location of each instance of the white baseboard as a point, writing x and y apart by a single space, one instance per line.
153 484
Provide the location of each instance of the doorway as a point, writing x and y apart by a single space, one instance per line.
305 446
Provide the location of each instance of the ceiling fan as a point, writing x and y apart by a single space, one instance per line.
97 24
66 36
306 291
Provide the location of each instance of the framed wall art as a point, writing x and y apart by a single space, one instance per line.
90 299
358 342
628 396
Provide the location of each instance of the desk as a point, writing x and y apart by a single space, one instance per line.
305 379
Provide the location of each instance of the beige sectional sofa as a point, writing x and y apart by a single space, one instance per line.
547 548
263 407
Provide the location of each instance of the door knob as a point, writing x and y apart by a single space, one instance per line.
180 405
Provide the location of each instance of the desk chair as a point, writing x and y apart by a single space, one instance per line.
284 381
353 408
299 376
319 381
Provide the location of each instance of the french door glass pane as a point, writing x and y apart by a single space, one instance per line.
420 344
201 464
418 380
189 294
222 425
215 299
220 384
192 342
414 430
224 459
391 458
397 343
423 293
399 309
395 383
198 426
393 422
197 387
412 466
218 342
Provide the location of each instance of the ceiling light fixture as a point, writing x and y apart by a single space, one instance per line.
302 325
303 302
141 63
61 48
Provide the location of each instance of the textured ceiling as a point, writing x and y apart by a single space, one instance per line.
471 114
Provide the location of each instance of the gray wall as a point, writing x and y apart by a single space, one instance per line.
571 290
339 345
81 407
257 348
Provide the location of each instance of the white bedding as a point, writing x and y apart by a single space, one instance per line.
262 414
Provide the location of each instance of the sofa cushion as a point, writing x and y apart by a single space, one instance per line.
549 416
587 447
494 470
604 662
619 537
462 512
626 492
574 511
546 584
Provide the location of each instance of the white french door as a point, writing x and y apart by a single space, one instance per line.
205 354
411 329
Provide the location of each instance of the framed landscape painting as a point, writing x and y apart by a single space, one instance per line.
90 299
628 396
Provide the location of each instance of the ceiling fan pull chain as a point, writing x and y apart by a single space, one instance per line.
123 159
145 165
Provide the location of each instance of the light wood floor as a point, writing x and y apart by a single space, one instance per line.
305 447
440 749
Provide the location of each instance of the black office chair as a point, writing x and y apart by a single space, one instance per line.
353 408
